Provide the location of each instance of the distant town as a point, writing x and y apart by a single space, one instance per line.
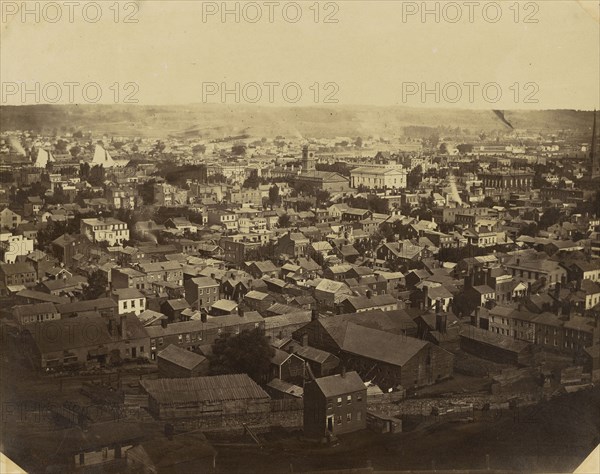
293 303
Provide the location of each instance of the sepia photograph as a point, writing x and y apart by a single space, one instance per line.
300 237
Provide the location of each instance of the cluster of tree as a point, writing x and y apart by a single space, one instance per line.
550 217
372 202
254 181
238 150
95 175
248 352
414 177
217 178
54 229
199 149
146 192
178 176
96 286
20 195
591 206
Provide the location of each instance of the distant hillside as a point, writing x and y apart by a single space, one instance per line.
219 121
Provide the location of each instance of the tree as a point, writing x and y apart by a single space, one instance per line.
549 218
283 221
238 150
75 150
199 149
248 352
217 178
96 287
322 196
252 182
415 177
488 201
274 195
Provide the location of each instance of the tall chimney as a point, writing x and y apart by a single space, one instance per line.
557 289
343 371
123 326
314 315
369 294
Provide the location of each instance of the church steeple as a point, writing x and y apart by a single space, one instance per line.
308 159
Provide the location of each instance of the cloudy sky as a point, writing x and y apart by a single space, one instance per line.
539 55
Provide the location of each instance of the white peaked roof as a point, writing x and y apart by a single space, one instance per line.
43 158
103 158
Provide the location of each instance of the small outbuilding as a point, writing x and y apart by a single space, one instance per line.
176 362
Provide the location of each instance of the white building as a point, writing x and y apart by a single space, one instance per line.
102 229
378 178
130 300
15 246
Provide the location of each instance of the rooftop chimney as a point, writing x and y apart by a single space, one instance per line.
123 326
343 371
164 323
314 315
369 294
241 312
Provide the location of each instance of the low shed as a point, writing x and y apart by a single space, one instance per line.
176 362
234 395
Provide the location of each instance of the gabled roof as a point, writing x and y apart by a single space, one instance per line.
335 385
181 357
313 354
178 304
362 302
371 343
265 266
211 389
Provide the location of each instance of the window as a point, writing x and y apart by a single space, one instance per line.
359 397
180 337
348 399
339 419
348 417
359 416
330 404
339 401
200 291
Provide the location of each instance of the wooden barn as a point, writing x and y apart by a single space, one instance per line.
218 396
175 362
